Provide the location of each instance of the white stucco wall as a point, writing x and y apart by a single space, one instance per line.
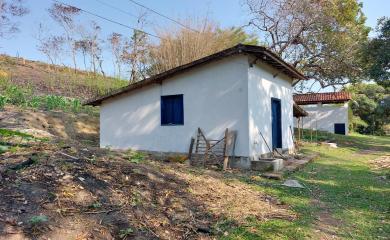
263 86
215 98
324 116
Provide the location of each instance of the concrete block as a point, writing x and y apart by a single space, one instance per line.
267 164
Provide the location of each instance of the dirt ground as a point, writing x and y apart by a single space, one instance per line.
60 185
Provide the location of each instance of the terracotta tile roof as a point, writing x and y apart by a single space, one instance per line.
313 98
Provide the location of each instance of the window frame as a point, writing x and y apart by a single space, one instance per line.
162 110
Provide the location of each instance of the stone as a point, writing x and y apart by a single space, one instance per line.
292 183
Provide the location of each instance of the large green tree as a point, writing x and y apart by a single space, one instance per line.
376 54
320 37
370 107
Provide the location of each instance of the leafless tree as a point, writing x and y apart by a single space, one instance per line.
116 46
51 46
83 46
64 15
135 51
8 10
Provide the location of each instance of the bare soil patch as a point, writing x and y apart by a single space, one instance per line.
91 193
382 162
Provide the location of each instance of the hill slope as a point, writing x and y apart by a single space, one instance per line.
44 79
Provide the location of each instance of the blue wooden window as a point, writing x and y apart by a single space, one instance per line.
172 110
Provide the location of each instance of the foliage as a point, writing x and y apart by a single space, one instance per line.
24 97
370 106
135 157
95 205
181 46
321 38
123 233
376 54
3 149
36 220
3 101
11 133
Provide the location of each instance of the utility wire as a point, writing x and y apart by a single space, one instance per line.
164 16
116 8
107 19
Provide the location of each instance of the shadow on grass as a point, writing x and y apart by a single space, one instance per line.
341 179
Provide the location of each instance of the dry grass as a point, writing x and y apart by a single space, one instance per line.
45 79
98 193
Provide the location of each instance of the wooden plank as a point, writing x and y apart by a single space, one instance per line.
197 140
191 149
225 155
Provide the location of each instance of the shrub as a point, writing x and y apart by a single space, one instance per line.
135 157
75 105
3 101
55 102
36 220
15 95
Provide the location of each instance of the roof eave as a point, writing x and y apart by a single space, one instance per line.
238 49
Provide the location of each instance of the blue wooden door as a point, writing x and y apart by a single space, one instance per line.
276 114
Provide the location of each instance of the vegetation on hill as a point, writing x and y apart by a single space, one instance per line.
40 78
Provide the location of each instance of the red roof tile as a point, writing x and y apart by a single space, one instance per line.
313 98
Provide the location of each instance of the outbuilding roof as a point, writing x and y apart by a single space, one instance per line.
298 111
259 52
313 98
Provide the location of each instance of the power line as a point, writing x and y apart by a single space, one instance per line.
107 19
116 8
162 15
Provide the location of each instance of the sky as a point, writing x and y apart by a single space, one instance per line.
227 13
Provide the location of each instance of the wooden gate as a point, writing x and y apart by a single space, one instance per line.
211 151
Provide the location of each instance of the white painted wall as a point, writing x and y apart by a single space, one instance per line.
324 116
215 98
262 87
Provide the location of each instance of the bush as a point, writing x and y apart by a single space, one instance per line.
16 95
35 102
55 102
3 101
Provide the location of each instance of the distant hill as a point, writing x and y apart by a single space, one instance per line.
43 78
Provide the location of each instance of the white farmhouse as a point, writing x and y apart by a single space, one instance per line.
245 88
326 111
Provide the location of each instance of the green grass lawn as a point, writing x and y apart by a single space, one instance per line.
342 183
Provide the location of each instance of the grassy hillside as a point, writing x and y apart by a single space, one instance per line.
43 79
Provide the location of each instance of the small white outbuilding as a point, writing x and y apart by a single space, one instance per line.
245 88
326 111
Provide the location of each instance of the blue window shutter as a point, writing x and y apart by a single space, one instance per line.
172 110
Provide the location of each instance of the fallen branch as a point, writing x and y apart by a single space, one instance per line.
23 164
69 156
103 211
